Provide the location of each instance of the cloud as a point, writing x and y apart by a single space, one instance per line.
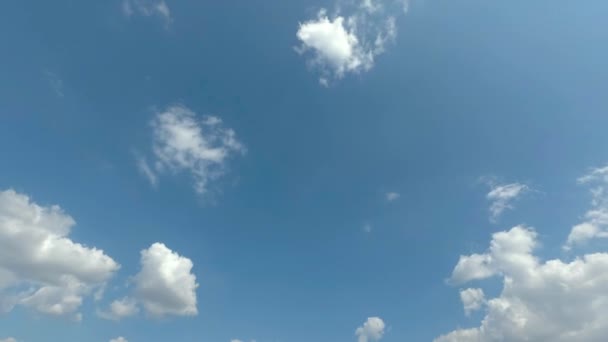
40 266
146 171
55 82
198 146
550 300
472 300
371 330
165 284
501 197
596 218
10 339
350 40
367 228
147 8
119 309
119 339
236 341
392 196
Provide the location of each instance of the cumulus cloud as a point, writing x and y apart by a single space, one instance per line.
183 142
551 300
501 197
40 266
351 39
119 339
595 224
392 196
371 330
166 285
472 300
147 8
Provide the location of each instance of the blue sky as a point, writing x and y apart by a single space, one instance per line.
303 171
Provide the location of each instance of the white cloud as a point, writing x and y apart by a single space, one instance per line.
119 339
502 196
147 8
119 309
183 142
392 196
552 300
40 266
348 43
596 219
472 300
165 284
371 330
10 339
236 341
146 170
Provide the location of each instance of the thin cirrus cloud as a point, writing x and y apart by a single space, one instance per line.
371 330
147 8
349 40
41 268
119 339
502 196
184 142
392 196
165 286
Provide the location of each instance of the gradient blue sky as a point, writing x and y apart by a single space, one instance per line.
514 90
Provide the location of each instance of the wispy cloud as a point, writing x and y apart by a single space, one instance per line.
184 142
55 83
502 196
349 40
392 196
147 8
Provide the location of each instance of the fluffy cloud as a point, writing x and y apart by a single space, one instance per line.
10 339
165 284
472 300
392 196
348 42
371 330
502 196
549 300
120 309
147 8
119 339
40 266
596 219
183 142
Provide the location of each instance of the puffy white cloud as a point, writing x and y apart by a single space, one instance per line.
10 339
119 339
183 142
40 266
165 284
596 218
502 196
472 300
552 300
119 309
371 330
348 42
392 196
147 8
